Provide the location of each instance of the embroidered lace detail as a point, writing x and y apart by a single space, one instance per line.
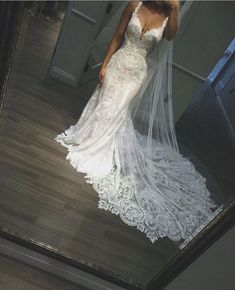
134 30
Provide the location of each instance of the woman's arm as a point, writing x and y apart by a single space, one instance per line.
115 42
172 24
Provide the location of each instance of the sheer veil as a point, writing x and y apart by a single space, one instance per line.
164 195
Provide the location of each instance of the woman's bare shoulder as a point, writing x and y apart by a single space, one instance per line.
132 4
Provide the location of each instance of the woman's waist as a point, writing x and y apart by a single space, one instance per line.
129 58
132 48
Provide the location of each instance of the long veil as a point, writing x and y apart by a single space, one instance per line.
156 188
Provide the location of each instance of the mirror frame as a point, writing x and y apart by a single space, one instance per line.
11 14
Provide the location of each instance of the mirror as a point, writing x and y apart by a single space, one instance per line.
52 78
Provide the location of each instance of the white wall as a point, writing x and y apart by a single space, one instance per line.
213 270
209 30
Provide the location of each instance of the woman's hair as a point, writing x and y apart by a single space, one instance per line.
163 6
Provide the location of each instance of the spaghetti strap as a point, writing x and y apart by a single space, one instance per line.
138 6
165 22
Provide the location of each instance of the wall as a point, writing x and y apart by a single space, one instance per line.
213 270
206 35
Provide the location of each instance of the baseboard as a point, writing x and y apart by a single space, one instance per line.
54 267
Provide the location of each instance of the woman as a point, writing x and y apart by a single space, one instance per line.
125 141
151 15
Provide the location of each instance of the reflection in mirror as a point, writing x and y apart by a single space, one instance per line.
118 200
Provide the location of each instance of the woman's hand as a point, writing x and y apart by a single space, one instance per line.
101 74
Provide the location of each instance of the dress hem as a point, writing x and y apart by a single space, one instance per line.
110 202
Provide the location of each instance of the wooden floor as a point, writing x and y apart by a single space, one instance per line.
15 275
42 196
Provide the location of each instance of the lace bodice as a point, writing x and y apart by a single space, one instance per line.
130 58
133 36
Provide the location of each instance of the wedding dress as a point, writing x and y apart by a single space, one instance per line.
100 145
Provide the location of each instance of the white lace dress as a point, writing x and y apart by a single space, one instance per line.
94 143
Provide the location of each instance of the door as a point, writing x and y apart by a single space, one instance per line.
82 22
